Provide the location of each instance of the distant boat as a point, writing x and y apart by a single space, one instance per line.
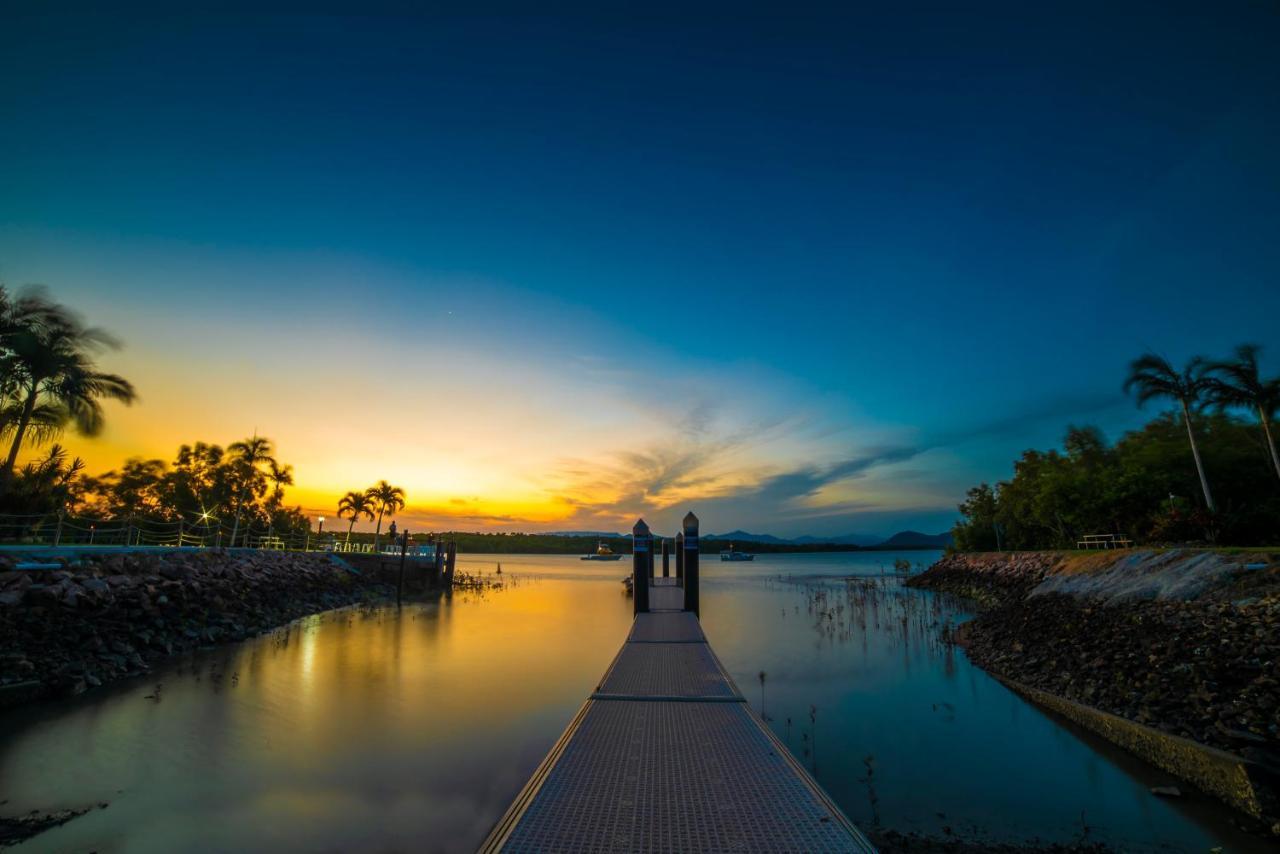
732 554
603 552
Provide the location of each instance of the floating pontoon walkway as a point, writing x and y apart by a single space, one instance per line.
667 756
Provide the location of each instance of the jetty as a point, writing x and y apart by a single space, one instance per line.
666 755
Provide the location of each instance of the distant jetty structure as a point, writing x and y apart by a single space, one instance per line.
666 755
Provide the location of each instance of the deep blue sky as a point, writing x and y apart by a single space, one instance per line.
938 234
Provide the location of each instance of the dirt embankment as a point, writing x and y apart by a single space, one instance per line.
113 616
1185 642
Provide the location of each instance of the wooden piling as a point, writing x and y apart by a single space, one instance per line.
404 550
691 563
641 566
680 557
666 558
450 559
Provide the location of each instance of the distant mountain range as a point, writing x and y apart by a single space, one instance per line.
900 540
599 535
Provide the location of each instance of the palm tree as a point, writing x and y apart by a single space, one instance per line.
280 477
389 500
248 455
355 504
1238 383
50 375
1152 377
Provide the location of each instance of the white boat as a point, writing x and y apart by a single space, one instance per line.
732 554
603 552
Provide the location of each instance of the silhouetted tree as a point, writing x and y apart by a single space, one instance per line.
48 375
388 500
1238 383
353 505
1152 377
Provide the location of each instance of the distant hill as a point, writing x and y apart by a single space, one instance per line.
807 540
917 540
601 535
844 539
746 537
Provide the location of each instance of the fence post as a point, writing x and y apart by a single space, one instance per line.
404 549
652 549
680 557
666 558
641 566
57 532
691 563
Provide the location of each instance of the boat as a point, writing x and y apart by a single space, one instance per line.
732 554
602 552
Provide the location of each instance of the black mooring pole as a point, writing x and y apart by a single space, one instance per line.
641 563
691 563
404 548
680 557
666 558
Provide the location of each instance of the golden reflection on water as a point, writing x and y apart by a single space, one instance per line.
353 729
412 729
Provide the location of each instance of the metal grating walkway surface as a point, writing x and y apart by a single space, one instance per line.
666 598
680 627
685 670
666 756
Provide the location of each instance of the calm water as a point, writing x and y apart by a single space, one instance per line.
382 731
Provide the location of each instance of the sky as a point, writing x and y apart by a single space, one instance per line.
804 272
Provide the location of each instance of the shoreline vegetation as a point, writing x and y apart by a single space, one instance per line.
1184 643
1205 472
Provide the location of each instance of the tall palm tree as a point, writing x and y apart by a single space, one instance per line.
280 477
1152 377
1238 383
355 504
389 500
50 374
248 455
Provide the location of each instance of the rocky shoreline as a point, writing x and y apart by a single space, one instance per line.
106 617
1187 643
